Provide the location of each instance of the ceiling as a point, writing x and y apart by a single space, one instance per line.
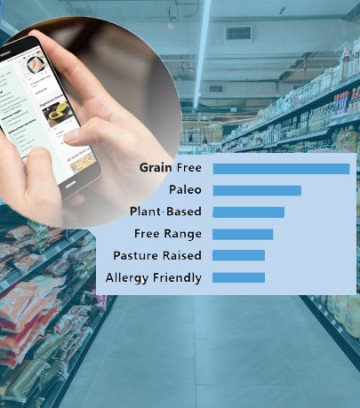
291 42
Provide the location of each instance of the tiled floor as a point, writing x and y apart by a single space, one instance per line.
211 352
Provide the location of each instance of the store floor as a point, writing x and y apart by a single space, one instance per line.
211 352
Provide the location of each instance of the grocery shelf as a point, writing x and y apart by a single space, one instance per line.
270 145
349 345
77 289
4 371
345 119
249 148
58 392
302 108
308 136
50 253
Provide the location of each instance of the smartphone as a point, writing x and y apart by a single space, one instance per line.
35 111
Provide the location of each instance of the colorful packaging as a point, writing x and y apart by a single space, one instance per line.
58 268
65 256
14 302
340 308
352 316
7 250
21 387
48 346
27 262
20 232
330 303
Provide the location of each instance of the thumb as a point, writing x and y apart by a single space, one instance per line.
42 188
93 132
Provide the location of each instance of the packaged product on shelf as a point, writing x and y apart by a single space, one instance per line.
7 250
87 239
342 104
46 285
28 241
7 380
13 343
5 270
21 254
354 68
340 303
20 232
100 301
330 303
80 310
58 268
77 344
67 343
47 347
346 140
54 235
83 260
64 325
14 302
323 299
27 300
21 387
82 253
352 316
44 238
36 226
345 64
14 347
65 256
56 373
27 262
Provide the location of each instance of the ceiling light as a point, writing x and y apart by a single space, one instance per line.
171 25
201 56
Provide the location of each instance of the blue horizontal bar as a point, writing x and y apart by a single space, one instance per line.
257 190
246 234
281 168
238 255
248 212
238 277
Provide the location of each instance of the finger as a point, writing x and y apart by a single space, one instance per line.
76 200
12 172
103 134
85 84
41 182
93 132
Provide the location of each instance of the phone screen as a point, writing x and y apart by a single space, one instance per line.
35 112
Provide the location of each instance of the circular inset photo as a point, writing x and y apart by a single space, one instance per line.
103 103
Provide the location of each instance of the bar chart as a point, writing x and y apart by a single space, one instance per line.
248 224
254 191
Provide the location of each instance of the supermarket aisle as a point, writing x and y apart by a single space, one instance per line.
211 352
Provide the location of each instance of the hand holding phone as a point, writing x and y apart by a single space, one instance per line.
33 192
121 142
34 111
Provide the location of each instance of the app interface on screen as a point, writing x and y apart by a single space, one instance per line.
34 112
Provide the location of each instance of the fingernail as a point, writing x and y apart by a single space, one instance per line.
37 151
71 137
